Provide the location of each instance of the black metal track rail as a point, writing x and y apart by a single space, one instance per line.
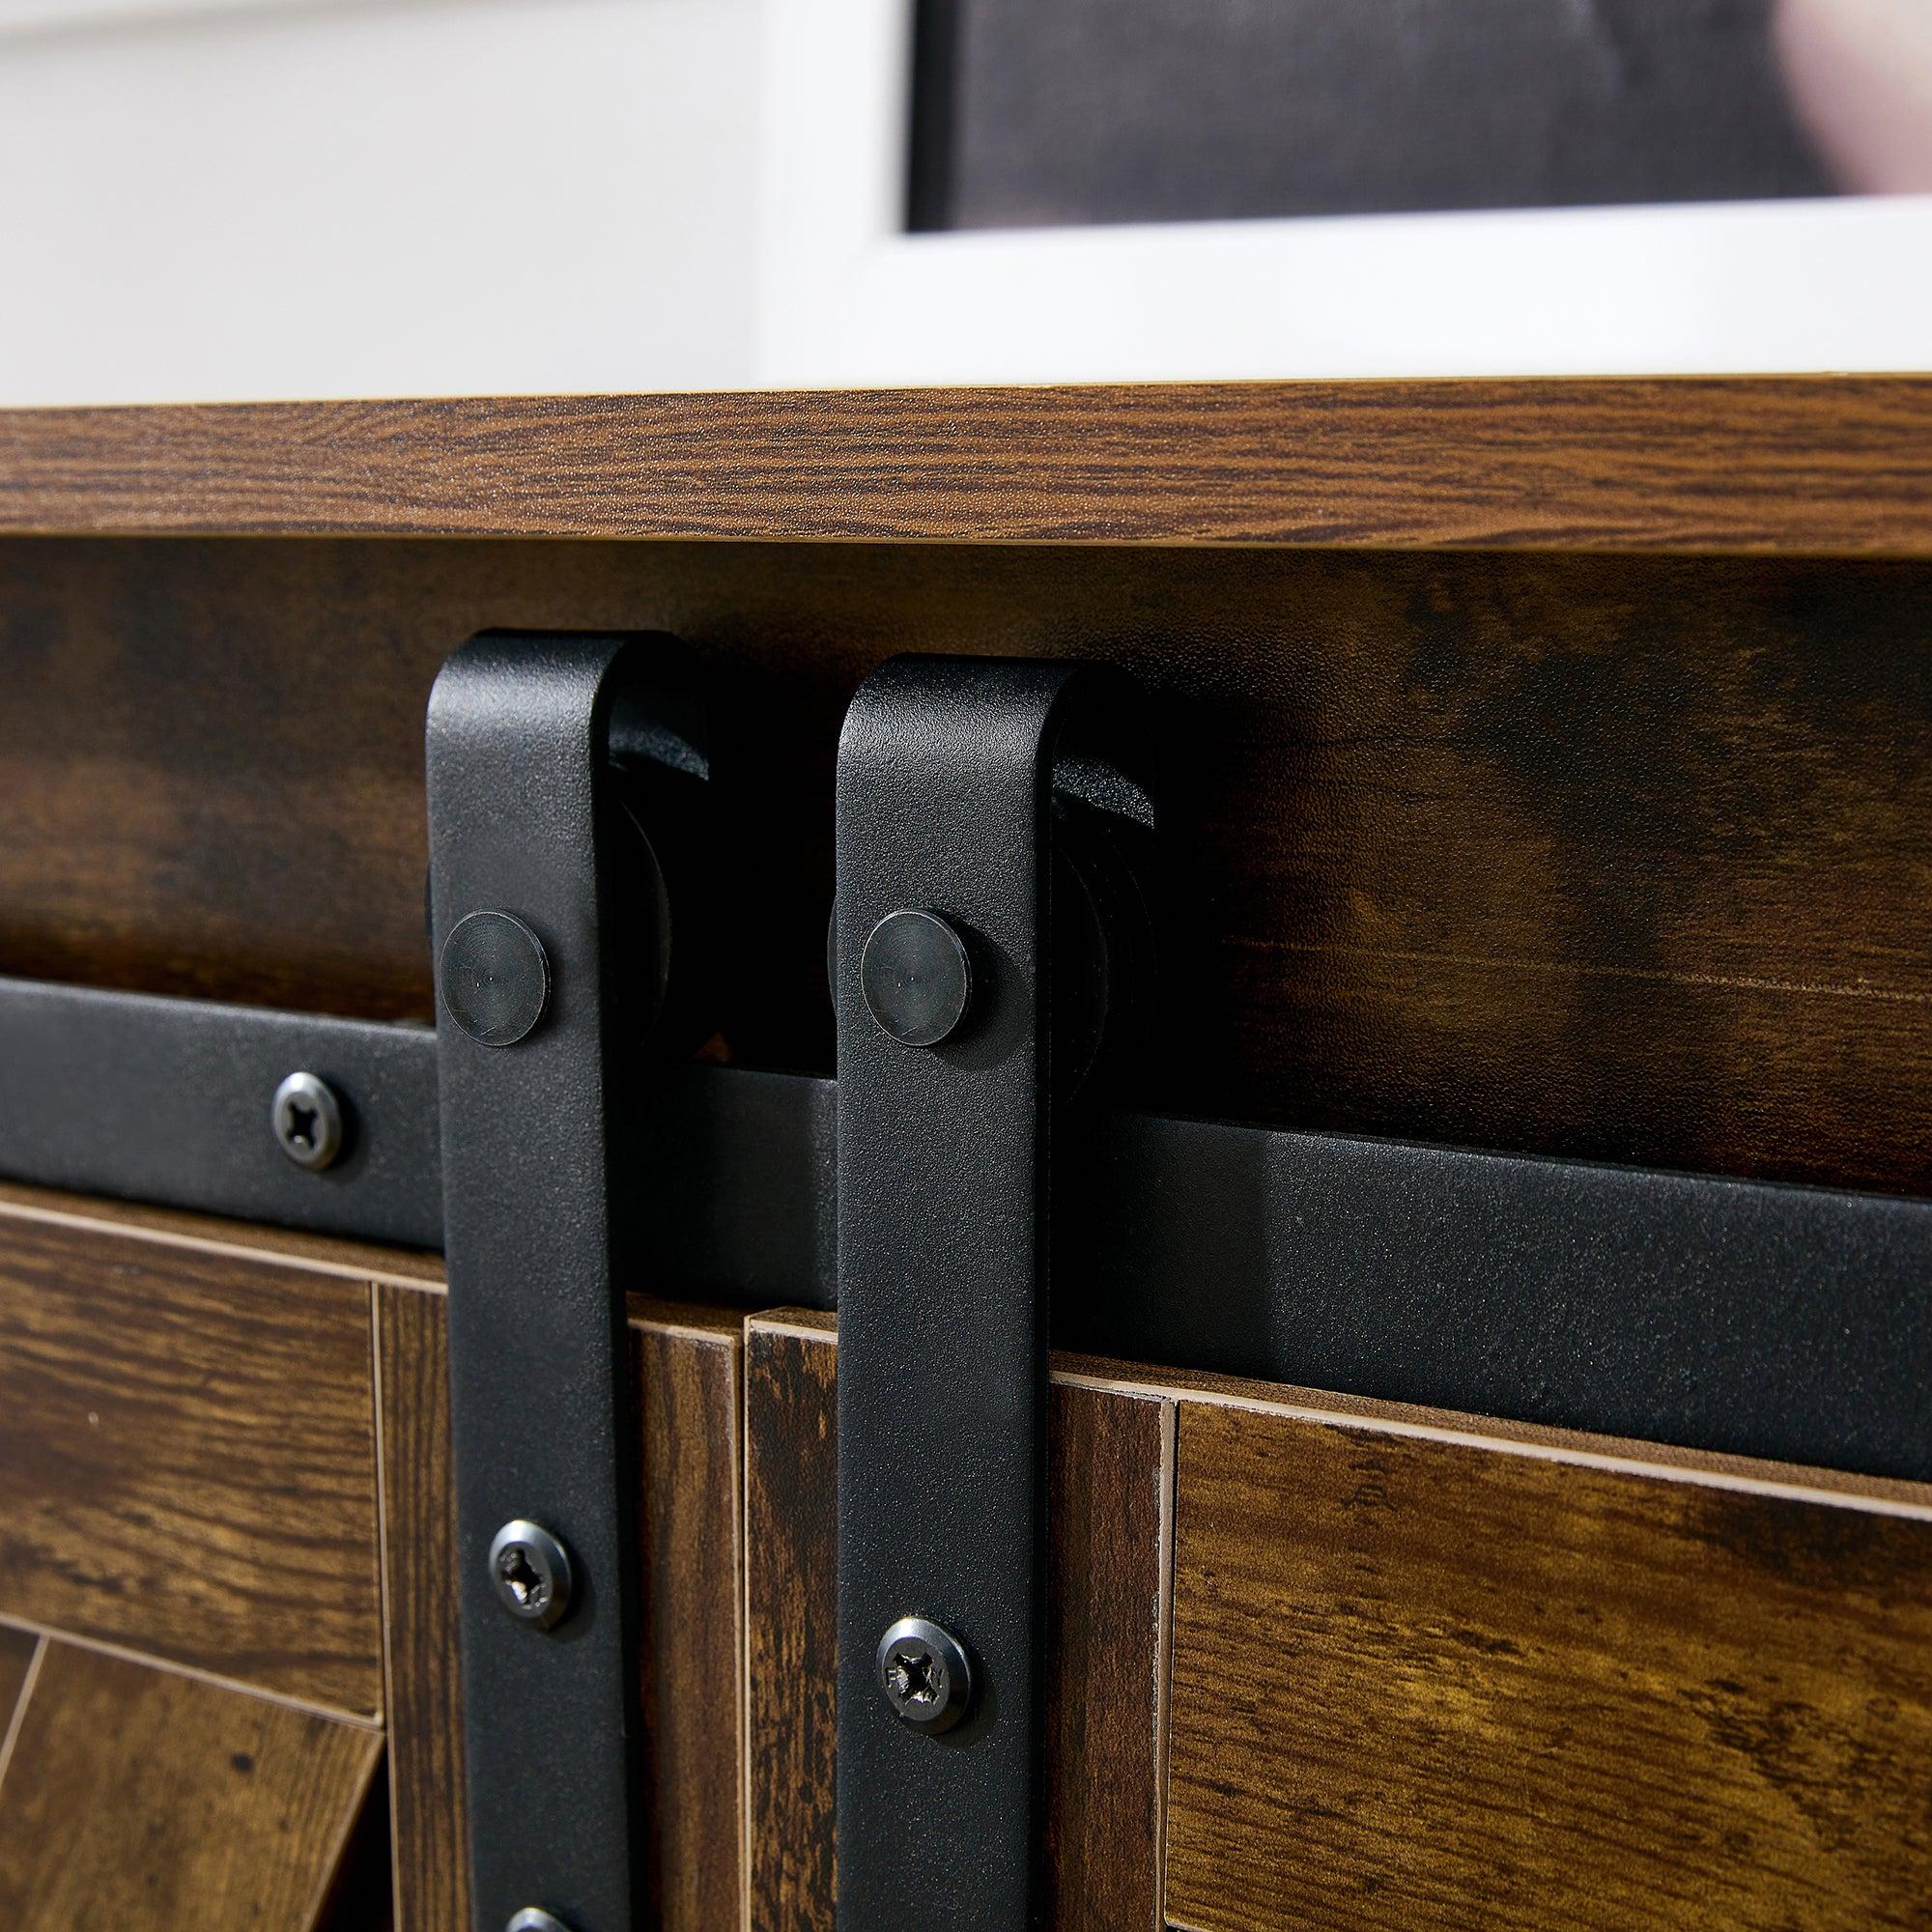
170 1100
1766 1320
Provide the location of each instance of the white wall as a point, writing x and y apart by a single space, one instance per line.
402 197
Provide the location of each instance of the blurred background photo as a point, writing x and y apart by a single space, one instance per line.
215 199
1064 112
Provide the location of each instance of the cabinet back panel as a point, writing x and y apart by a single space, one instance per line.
1613 857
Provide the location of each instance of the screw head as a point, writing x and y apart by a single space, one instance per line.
307 1121
530 1570
494 978
925 1675
534 1918
916 977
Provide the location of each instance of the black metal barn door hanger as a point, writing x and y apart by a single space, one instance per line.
987 937
988 934
566 784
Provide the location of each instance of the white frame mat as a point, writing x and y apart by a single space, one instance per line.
849 299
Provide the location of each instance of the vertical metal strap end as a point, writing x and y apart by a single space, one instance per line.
945 976
536 873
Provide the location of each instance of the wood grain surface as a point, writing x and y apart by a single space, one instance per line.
687 1365
425 1689
1613 857
188 1446
17 1658
791 1648
138 1798
1110 1464
1826 463
1421 1683
213 1234
1109 1469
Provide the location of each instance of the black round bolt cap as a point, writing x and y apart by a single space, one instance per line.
917 977
494 977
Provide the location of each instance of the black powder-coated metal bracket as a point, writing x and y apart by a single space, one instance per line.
955 1028
1749 1317
550 929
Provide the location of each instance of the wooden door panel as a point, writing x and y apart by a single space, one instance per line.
187 1441
190 1611
432 1864
1425 1671
134 1796
1110 1464
1423 1680
791 1582
17 1658
687 1365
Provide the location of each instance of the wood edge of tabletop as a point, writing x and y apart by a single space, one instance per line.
1799 464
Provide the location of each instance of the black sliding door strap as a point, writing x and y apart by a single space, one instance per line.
526 849
943 985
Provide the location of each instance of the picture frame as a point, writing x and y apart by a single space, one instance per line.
849 298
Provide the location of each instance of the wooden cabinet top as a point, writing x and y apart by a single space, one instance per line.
1818 465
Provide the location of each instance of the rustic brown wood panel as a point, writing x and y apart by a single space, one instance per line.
1812 464
1107 1653
1105 1611
1613 857
1420 1684
213 1233
791 1652
687 1365
137 1797
17 1657
425 1692
189 1442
